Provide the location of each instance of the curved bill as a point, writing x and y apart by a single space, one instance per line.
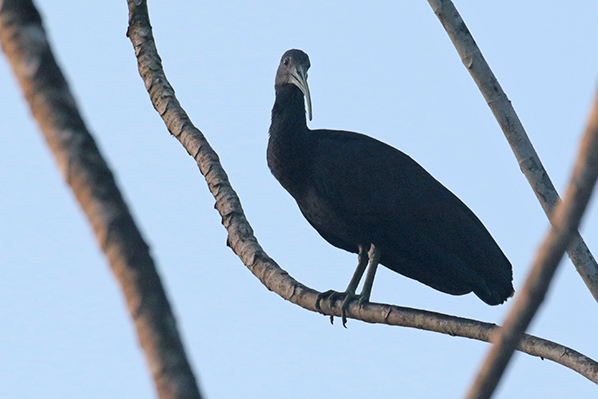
300 80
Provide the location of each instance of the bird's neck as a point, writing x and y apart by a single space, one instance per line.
289 145
288 114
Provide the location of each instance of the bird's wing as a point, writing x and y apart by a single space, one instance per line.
374 184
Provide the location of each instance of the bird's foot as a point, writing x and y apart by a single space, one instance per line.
347 297
350 297
331 296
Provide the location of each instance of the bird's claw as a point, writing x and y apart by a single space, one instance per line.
350 297
330 295
347 297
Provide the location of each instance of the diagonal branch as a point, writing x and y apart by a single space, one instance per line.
245 245
26 46
566 219
503 111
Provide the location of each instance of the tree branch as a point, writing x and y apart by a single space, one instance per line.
503 111
566 219
245 245
25 43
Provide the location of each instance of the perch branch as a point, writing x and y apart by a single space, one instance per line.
245 245
25 43
503 111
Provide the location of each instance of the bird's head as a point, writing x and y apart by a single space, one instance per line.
293 70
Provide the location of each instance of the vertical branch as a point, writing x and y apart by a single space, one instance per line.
503 111
566 220
26 46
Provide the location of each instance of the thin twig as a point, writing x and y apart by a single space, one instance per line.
26 45
245 245
503 111
567 217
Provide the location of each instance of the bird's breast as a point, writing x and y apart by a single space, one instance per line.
290 163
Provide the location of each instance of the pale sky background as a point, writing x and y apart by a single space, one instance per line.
386 69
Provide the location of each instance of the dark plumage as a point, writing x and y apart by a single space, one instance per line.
364 196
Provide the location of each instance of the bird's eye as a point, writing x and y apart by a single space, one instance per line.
286 61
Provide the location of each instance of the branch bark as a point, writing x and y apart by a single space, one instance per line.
567 217
25 43
503 111
245 244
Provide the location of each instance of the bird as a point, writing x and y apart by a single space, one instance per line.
367 197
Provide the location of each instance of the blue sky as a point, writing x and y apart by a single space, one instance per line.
387 70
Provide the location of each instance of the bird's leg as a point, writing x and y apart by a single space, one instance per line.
364 297
363 262
350 292
374 255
